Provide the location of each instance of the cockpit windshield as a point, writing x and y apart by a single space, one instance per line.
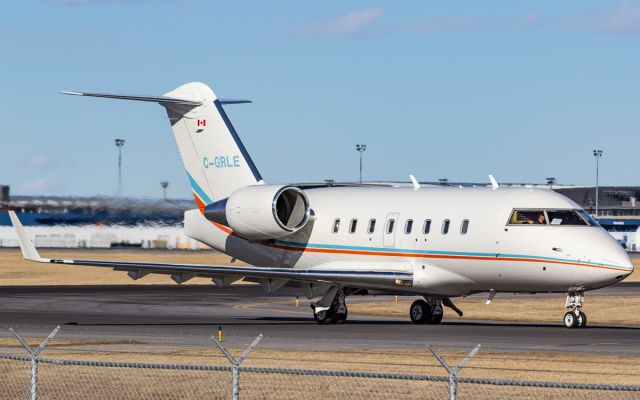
551 217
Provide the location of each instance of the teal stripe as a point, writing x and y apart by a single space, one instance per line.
436 252
196 188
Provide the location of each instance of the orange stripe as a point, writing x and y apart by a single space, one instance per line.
436 256
439 256
200 203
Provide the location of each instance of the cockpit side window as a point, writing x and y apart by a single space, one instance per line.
528 217
587 217
565 217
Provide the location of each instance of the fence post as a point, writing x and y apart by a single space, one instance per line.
235 363
453 371
34 353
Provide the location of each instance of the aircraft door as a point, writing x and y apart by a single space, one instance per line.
389 230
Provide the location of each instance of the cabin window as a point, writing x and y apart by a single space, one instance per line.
464 227
445 226
390 225
353 225
408 226
372 225
565 217
528 217
336 225
426 227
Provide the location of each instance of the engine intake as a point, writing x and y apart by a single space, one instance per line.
262 211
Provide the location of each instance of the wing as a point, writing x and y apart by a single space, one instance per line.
223 274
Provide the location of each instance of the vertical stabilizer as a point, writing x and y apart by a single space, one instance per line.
215 158
216 161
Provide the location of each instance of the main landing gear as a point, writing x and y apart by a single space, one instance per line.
335 313
575 318
429 311
426 312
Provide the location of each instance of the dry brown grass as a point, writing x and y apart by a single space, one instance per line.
524 309
14 271
553 366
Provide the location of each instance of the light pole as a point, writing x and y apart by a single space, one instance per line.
119 145
361 148
551 181
164 185
597 154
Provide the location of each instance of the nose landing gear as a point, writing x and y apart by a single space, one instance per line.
575 318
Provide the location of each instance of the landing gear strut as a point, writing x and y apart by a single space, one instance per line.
574 318
426 312
336 313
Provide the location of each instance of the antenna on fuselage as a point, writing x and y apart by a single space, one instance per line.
494 183
415 183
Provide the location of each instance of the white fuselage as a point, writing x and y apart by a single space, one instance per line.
491 255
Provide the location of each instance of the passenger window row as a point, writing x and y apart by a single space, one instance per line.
408 226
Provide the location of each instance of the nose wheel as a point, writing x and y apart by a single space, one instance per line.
574 318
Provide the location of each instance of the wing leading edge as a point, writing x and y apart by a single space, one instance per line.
223 273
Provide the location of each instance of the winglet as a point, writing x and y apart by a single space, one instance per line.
494 183
29 251
416 184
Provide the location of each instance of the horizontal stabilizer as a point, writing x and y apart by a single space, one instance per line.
153 99
234 101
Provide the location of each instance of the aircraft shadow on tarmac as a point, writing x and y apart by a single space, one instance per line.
265 321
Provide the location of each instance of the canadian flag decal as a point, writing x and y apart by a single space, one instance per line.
202 122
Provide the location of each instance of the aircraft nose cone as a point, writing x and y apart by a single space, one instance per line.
618 259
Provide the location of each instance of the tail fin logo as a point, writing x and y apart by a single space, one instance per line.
202 122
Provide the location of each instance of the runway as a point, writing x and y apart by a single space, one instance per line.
190 314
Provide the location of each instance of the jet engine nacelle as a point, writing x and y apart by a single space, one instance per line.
262 211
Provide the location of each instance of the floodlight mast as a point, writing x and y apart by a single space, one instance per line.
551 181
361 148
119 145
164 185
597 154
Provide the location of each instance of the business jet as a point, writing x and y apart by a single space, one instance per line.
330 242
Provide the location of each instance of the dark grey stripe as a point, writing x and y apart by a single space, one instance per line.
236 138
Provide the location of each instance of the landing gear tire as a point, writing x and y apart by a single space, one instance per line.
583 320
340 318
336 314
436 317
323 317
570 320
420 312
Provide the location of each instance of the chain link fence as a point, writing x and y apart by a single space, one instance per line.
75 379
35 377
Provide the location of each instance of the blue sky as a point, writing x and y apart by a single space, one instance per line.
522 90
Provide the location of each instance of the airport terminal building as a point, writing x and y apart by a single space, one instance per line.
151 223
